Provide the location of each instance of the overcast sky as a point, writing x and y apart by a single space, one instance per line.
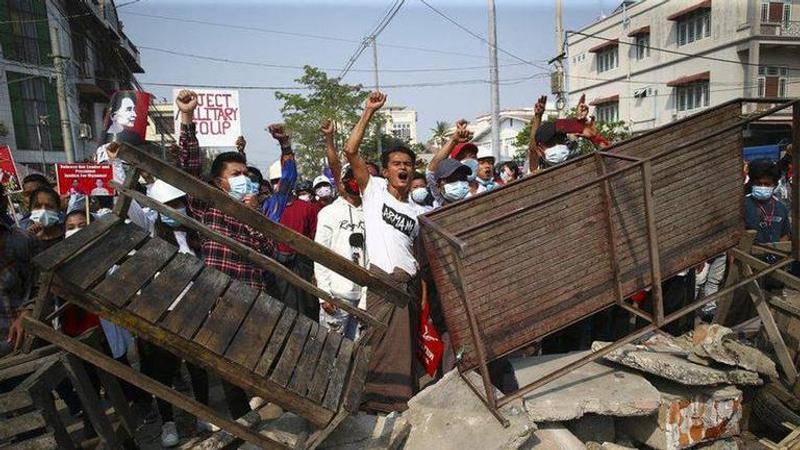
525 28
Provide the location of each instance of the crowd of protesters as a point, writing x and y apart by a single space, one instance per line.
366 211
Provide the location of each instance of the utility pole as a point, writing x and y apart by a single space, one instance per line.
61 90
493 78
40 120
378 130
558 82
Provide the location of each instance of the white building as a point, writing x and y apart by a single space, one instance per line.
161 123
512 121
401 122
618 63
99 60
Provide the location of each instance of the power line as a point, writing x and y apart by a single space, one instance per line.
3 22
382 24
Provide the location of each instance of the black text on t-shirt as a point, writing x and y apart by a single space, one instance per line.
398 221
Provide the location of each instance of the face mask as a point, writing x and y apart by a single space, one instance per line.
252 187
556 154
456 190
419 195
324 192
238 186
762 192
505 176
488 184
169 221
305 197
69 233
45 217
473 166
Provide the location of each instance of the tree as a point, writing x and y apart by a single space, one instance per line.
439 133
326 98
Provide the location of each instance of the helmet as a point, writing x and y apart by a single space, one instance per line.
275 170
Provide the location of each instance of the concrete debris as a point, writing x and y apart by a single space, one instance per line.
554 436
613 446
448 415
672 366
688 416
592 428
593 388
720 344
368 432
734 443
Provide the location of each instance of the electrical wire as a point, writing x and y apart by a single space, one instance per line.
382 24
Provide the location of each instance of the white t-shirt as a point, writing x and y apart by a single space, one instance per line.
391 227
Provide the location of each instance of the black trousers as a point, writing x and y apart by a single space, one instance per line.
295 297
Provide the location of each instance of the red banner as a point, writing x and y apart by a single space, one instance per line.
8 171
126 119
84 179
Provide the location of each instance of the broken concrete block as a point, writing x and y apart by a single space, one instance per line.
687 416
674 367
720 344
368 432
449 415
592 428
734 443
613 446
554 436
593 388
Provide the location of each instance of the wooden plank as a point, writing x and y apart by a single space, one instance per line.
276 341
25 368
47 407
85 269
291 351
117 398
134 377
45 441
253 218
193 309
58 254
16 425
224 320
123 203
253 335
339 375
14 401
725 303
308 360
157 296
90 401
137 270
358 377
316 391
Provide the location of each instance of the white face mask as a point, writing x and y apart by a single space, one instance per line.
419 195
305 197
556 154
69 233
324 192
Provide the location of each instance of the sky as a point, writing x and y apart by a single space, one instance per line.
239 30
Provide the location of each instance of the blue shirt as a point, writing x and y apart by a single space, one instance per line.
770 219
274 206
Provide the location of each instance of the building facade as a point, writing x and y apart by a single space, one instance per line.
161 123
401 122
655 61
512 121
97 57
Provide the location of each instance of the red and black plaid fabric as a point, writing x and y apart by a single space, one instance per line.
216 255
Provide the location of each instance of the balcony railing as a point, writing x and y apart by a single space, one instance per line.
788 28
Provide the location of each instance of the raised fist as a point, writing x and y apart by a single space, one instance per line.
186 101
462 134
583 109
375 101
539 107
112 149
278 132
241 143
328 128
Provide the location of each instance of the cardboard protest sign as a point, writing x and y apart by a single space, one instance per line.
8 171
126 120
84 179
216 118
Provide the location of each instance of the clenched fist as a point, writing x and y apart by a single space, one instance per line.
375 101
280 134
328 128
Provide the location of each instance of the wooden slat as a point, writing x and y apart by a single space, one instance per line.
53 256
121 285
308 360
14 401
253 335
194 307
292 350
339 375
316 391
43 442
224 320
157 296
16 425
358 377
94 262
276 341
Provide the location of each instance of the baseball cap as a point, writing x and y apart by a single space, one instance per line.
450 166
319 180
462 148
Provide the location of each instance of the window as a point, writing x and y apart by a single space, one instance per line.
776 12
772 81
607 112
34 99
692 96
694 26
26 38
607 59
642 46
402 130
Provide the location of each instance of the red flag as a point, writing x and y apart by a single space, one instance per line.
431 347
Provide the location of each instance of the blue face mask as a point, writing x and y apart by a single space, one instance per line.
488 184
455 191
252 187
473 166
762 192
239 186
45 217
169 221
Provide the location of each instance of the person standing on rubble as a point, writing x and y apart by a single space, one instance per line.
764 213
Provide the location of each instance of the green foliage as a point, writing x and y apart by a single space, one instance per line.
439 133
303 113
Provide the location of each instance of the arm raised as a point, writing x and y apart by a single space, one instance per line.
374 102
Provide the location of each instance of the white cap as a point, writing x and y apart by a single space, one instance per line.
319 180
345 169
484 152
275 170
163 192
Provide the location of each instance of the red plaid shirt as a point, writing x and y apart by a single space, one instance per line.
216 255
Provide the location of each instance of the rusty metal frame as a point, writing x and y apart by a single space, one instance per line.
655 320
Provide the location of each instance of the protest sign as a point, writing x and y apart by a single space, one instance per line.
216 118
84 179
126 120
8 171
